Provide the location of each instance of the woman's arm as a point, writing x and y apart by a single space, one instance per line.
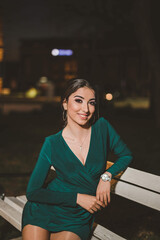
124 157
35 190
120 149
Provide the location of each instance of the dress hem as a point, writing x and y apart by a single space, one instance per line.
78 232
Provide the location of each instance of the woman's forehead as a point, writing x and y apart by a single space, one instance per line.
84 92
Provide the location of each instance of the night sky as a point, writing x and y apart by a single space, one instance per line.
41 19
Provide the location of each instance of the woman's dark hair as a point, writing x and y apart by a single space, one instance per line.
72 86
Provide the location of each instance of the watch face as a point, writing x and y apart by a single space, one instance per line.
105 177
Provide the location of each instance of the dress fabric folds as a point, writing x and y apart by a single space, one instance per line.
54 207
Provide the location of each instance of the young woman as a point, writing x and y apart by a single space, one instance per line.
65 209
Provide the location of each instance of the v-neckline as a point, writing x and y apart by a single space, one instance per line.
90 144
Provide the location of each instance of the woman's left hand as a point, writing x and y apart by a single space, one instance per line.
103 191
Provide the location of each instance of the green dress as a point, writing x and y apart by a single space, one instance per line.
54 207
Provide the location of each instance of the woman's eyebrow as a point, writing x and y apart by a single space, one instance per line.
83 97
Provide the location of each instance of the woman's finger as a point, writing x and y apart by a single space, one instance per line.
108 197
100 203
91 211
105 199
101 197
94 209
98 207
98 196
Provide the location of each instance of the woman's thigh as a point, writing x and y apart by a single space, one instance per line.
64 235
35 233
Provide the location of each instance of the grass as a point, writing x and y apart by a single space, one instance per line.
22 135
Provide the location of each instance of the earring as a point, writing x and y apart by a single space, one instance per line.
64 115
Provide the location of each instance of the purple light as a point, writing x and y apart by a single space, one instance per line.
62 52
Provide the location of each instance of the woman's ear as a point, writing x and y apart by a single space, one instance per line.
65 104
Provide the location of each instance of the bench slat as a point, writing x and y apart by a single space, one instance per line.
15 203
10 214
140 195
104 234
22 199
143 179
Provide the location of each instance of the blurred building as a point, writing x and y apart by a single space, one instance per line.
114 65
57 59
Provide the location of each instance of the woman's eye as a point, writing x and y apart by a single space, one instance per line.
93 103
78 100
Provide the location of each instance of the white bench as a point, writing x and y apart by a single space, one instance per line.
136 185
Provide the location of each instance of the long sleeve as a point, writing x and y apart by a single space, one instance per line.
115 143
35 190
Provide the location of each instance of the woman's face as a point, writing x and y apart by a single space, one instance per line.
80 106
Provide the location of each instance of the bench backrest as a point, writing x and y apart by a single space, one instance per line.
138 186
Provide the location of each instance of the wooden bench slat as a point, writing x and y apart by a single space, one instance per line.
22 198
15 203
104 234
140 195
143 179
10 214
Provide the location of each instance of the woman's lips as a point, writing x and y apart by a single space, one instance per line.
84 116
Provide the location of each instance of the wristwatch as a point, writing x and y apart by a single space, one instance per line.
105 177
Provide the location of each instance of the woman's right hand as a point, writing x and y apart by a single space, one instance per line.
90 203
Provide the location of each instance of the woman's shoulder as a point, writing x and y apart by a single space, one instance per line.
53 137
101 122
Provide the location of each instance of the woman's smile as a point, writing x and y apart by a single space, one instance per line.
83 116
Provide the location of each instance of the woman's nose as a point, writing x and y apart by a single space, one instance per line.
85 107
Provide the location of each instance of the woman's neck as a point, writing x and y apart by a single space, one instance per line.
77 131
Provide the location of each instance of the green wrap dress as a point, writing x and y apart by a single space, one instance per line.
54 207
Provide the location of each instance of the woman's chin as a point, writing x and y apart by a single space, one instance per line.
84 121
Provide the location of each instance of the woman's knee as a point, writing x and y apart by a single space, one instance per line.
35 233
